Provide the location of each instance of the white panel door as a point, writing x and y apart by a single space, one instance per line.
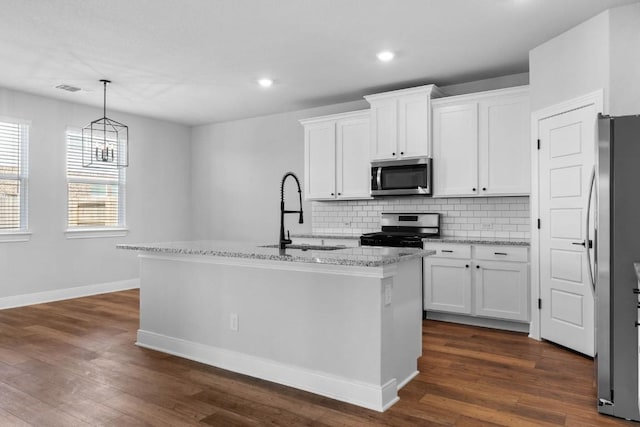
384 129
413 125
504 154
320 161
502 290
447 285
352 158
566 158
455 150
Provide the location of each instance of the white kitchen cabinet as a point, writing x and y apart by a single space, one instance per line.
477 280
481 144
336 161
502 290
449 285
401 123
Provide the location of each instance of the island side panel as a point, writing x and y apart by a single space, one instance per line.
407 312
323 322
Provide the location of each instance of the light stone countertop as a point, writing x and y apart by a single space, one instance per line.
479 240
367 256
325 236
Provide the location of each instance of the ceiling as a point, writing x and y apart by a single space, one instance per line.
197 61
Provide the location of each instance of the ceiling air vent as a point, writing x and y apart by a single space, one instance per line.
68 88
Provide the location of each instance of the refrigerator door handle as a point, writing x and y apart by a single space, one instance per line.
588 244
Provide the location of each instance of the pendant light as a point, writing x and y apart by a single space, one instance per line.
105 142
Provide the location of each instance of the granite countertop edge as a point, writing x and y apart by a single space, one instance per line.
328 258
479 240
325 236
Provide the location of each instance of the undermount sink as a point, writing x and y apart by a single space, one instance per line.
309 247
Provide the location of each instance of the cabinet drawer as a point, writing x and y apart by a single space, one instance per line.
328 241
501 253
444 250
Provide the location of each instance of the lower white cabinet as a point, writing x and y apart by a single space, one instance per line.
449 285
477 280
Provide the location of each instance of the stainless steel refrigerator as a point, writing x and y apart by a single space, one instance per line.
616 248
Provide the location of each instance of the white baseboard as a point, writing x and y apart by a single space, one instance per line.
370 396
67 293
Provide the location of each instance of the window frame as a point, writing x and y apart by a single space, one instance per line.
21 233
89 232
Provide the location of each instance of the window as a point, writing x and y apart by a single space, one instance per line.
96 194
14 143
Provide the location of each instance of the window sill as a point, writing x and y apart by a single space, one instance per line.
15 236
93 233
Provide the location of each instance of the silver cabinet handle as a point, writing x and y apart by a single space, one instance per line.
500 253
447 251
587 242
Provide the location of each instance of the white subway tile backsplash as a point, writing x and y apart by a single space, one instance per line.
501 217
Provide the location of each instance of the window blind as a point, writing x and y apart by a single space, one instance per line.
95 194
13 175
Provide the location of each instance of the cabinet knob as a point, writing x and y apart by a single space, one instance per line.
477 266
484 188
333 194
473 189
393 154
402 153
466 266
339 194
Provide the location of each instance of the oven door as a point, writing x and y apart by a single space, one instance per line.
401 177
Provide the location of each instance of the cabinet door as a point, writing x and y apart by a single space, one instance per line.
384 129
504 152
413 125
352 158
502 290
320 161
447 285
455 149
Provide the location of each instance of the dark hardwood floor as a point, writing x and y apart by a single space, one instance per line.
74 363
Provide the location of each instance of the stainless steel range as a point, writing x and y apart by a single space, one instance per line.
403 229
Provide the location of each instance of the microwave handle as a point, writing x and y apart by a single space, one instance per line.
379 178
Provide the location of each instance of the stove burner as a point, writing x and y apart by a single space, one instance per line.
397 233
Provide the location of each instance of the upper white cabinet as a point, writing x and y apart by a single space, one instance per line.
481 144
336 156
401 123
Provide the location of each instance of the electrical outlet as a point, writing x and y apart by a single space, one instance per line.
487 226
233 322
388 293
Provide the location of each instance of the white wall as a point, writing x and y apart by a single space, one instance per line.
625 60
158 195
236 169
571 65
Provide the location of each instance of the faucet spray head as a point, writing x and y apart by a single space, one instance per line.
300 221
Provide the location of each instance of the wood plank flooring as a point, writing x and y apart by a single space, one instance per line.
74 363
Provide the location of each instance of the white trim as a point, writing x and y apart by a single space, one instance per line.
409 378
68 293
595 98
344 270
510 91
484 322
367 395
339 116
15 236
9 119
92 233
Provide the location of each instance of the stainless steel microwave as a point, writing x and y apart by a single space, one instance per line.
401 177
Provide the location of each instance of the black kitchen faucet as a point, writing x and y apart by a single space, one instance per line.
285 241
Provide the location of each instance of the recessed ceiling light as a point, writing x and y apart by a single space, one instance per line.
265 82
385 55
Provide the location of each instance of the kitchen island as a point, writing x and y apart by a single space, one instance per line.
342 323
